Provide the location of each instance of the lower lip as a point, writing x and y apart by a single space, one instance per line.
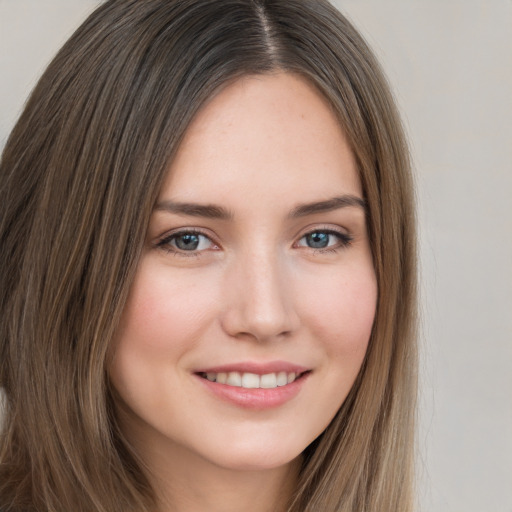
256 398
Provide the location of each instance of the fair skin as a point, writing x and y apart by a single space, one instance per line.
257 271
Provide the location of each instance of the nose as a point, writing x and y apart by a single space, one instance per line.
259 301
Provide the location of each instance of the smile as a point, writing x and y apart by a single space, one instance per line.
249 380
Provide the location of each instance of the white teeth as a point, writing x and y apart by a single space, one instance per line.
282 379
234 379
269 380
252 380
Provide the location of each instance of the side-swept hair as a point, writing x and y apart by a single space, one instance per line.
78 180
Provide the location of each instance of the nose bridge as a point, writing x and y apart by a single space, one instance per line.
261 304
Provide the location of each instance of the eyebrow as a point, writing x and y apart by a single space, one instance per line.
328 205
208 211
211 211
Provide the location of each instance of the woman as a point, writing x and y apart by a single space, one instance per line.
208 259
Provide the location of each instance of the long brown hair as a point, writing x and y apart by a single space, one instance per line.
78 180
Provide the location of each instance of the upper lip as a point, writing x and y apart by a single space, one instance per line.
258 368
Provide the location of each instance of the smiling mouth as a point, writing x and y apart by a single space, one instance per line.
252 380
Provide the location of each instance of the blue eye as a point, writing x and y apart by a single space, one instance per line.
186 241
324 239
318 240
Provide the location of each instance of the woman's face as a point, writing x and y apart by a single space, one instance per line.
254 299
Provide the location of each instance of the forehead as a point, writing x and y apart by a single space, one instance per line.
265 134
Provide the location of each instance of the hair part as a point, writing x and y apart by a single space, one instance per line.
79 178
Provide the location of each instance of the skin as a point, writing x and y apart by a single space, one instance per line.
254 290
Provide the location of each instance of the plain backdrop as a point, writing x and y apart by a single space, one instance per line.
450 65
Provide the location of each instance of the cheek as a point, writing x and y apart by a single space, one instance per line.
165 312
341 311
164 318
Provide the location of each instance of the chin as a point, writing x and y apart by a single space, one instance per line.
256 458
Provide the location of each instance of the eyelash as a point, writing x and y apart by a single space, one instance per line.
165 243
344 241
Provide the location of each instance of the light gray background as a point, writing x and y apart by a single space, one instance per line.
450 64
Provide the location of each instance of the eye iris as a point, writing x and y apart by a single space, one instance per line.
188 242
318 240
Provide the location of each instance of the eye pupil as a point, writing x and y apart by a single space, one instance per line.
187 242
318 240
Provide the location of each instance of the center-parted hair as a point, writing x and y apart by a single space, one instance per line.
79 178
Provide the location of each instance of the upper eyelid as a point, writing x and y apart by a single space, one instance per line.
345 238
330 228
184 231
164 242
